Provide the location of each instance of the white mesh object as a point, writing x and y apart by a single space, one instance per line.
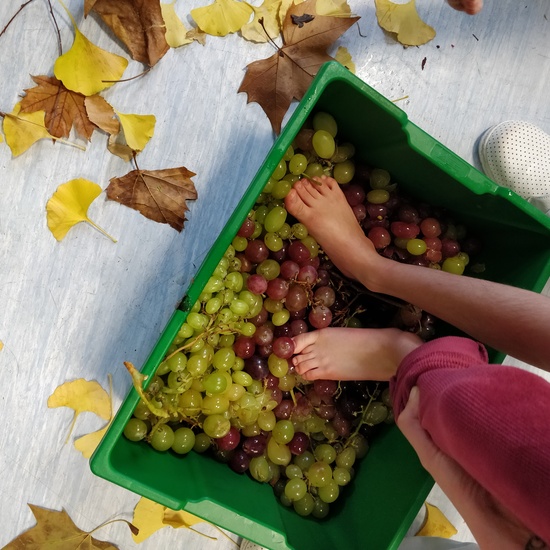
516 155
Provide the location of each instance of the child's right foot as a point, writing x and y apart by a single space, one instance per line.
324 210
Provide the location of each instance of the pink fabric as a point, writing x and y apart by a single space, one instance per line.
493 420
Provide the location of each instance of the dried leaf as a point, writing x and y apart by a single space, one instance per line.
55 530
176 33
81 396
436 524
159 195
337 8
404 20
24 129
222 17
138 24
344 58
268 12
138 129
286 75
118 146
64 108
197 35
102 114
69 206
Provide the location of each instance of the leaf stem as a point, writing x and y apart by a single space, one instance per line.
59 44
132 527
21 8
100 230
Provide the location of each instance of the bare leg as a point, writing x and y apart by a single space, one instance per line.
351 353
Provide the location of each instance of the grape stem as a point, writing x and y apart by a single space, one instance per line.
363 415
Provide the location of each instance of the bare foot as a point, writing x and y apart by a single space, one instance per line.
352 353
324 210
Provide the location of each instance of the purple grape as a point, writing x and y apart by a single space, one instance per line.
255 445
283 347
239 462
257 367
299 443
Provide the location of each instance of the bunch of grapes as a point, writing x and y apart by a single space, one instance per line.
227 383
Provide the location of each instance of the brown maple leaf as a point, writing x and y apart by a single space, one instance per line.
64 108
159 195
57 531
274 82
102 114
137 23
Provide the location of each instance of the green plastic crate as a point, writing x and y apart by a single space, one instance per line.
390 484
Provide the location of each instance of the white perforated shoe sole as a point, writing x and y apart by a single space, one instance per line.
516 155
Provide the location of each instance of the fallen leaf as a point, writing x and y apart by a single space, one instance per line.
436 524
274 82
69 206
222 17
86 68
159 195
197 35
138 24
24 129
403 19
88 6
64 108
1 345
102 114
118 146
176 33
56 530
344 58
337 8
82 396
88 443
270 27
138 129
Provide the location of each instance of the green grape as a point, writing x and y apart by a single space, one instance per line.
269 269
360 445
325 121
280 171
267 420
329 493
251 430
291 178
135 429
214 405
260 214
197 385
304 461
275 219
197 344
234 391
319 474
285 231
278 453
226 341
220 272
330 432
256 388
163 368
400 243
206 352
214 284
239 307
215 383
453 265
378 196
234 281
273 241
321 509
341 476
223 359
283 431
281 189
247 329
297 164
314 424
259 469
184 441
344 171
285 501
216 426
205 296
346 458
185 331
242 378
179 381
229 253
312 245
292 471
299 230
196 307
190 402
273 306
343 152
295 488
277 365
416 247
375 413
304 506
323 144
142 411
156 384
463 257
239 364
225 315
162 437
287 382
268 187
325 453
197 321
239 243
279 318
202 443
314 170
289 153
379 178
177 362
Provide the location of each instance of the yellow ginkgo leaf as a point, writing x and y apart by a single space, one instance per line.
285 5
436 524
404 20
81 395
269 13
69 206
180 518
138 129
222 17
335 8
176 33
344 58
87 68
